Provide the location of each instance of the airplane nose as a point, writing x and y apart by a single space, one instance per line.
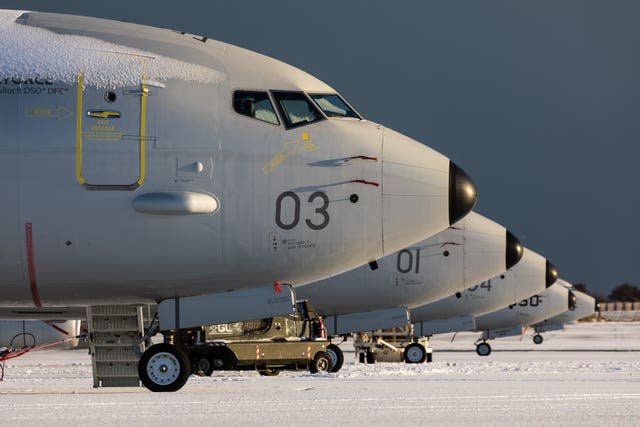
423 193
573 301
462 193
551 274
514 250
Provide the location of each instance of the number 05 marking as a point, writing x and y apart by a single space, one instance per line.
322 210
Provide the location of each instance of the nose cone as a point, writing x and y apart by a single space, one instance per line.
462 193
551 275
514 250
422 193
573 301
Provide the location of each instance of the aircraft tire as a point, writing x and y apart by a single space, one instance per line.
483 349
164 367
321 363
269 372
414 353
337 358
361 357
537 339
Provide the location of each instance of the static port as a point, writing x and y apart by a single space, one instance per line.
110 96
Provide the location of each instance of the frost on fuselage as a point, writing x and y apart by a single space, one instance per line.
32 53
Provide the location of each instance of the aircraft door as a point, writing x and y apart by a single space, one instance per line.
110 137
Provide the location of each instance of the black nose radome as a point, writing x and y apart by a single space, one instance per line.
552 274
514 250
573 300
462 193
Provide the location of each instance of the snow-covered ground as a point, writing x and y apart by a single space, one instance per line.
588 374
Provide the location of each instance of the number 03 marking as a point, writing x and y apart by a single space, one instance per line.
322 210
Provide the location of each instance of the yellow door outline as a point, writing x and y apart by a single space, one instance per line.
80 115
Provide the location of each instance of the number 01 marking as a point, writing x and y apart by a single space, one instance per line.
322 210
407 266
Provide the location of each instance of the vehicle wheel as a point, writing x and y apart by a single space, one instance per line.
222 359
414 353
371 357
337 358
203 366
361 357
483 349
429 357
321 363
164 367
269 372
537 339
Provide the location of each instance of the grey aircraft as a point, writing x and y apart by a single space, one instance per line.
510 320
143 165
585 306
472 250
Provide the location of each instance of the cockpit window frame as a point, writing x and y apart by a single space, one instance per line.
312 94
271 101
283 114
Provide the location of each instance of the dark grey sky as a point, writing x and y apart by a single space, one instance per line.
538 101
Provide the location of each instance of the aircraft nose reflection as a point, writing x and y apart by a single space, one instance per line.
462 193
514 250
551 274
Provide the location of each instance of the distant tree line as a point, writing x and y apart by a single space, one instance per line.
624 292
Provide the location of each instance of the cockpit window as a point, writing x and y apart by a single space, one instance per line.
334 106
256 105
296 109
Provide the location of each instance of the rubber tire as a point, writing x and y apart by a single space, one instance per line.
321 363
414 353
361 357
269 372
171 354
203 366
537 339
337 358
371 357
222 359
429 357
483 349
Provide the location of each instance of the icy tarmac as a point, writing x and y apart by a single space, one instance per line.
588 374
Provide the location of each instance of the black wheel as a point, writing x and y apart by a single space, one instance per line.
222 359
164 367
361 357
337 358
202 366
414 353
429 357
371 357
321 363
537 339
483 349
269 372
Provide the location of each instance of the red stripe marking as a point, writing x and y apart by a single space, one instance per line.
375 159
31 265
362 181
57 328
